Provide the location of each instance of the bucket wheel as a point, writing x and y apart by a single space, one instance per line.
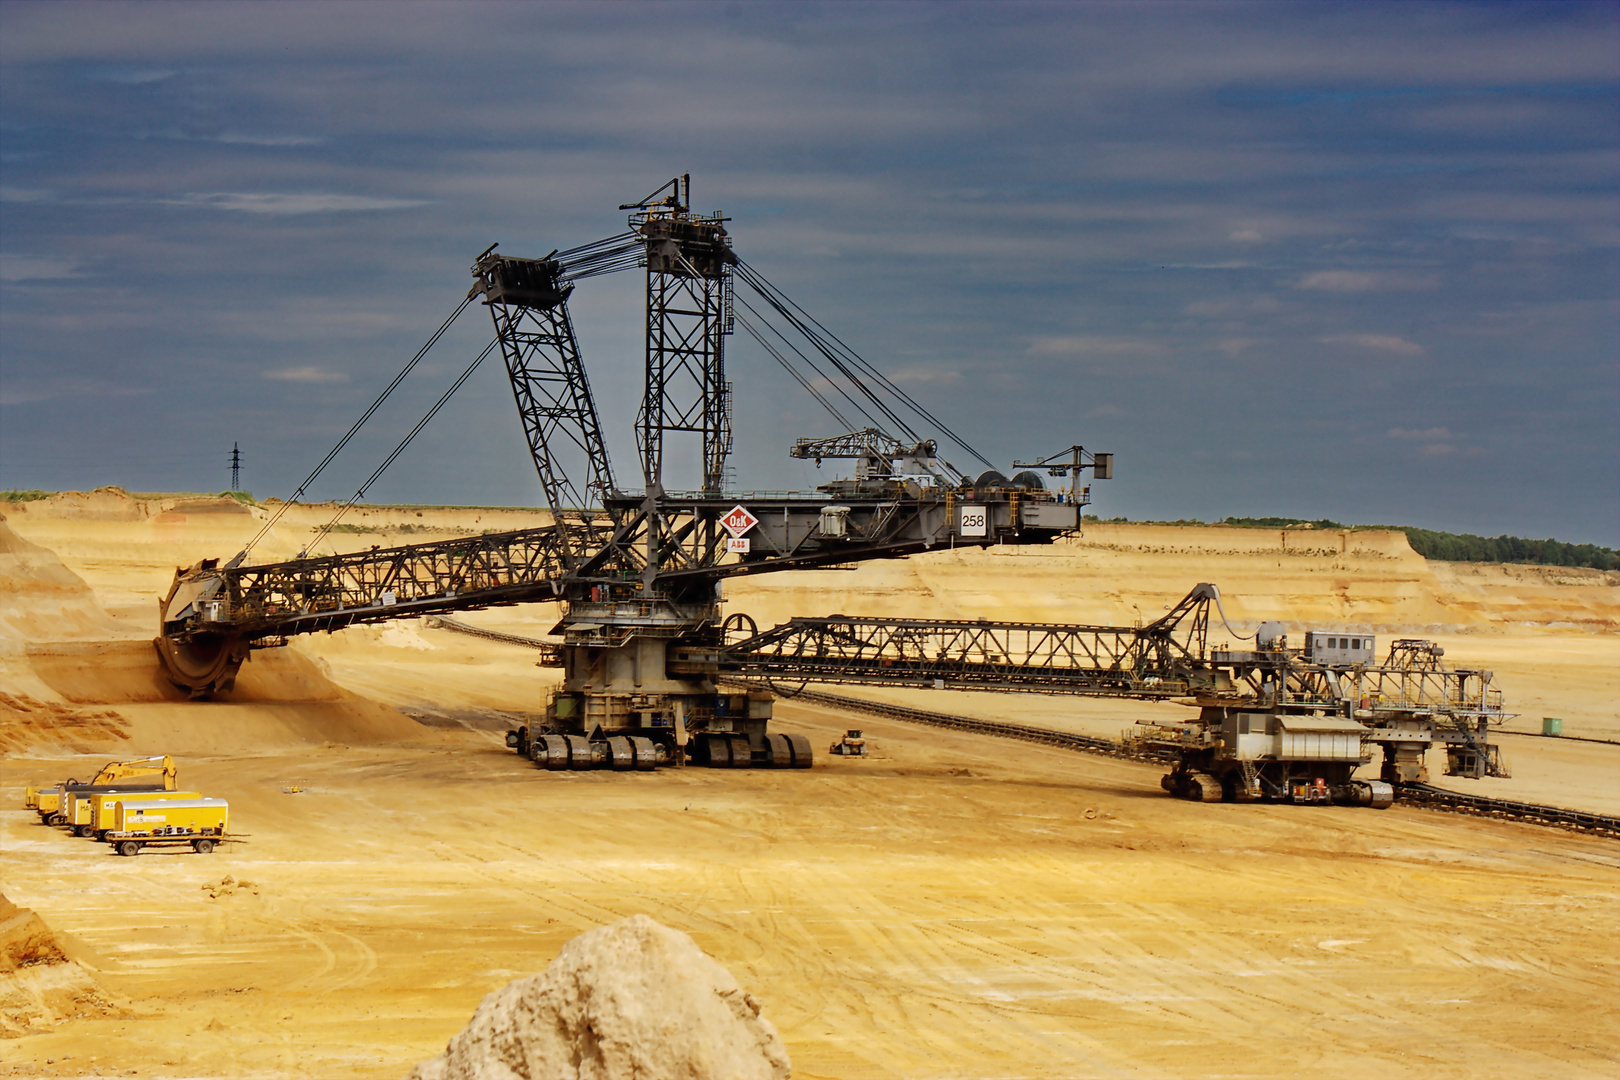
201 663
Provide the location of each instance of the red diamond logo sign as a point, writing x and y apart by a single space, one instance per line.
738 520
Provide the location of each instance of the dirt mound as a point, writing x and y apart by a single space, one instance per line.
42 598
282 697
631 999
39 985
26 723
102 504
64 659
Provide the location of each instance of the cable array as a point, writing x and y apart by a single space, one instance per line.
403 443
867 379
353 429
606 256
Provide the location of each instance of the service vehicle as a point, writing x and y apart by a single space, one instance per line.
78 806
138 823
103 806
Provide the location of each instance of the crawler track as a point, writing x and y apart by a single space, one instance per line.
1421 795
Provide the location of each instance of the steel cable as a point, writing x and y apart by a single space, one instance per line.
825 341
420 424
375 405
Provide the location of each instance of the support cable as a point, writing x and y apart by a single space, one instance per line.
420 424
375 405
809 387
621 252
811 364
763 289
830 339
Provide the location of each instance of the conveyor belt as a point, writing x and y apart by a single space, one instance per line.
1421 795
1434 798
1068 740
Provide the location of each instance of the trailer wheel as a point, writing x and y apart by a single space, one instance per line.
56 819
202 847
86 831
129 847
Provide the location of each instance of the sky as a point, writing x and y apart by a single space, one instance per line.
1354 261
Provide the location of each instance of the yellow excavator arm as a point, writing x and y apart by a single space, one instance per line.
115 771
49 800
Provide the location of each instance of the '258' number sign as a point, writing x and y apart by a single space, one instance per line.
974 521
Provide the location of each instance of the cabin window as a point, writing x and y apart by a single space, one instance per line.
1243 725
1355 643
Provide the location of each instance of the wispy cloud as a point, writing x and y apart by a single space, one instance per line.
1361 281
307 375
1437 442
134 76
28 391
38 268
943 376
252 202
250 139
1377 342
1082 345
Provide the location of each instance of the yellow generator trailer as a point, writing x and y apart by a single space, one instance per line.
104 806
138 823
78 804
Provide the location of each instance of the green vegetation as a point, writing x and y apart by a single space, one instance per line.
243 497
1466 547
17 495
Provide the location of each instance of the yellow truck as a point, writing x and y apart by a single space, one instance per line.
93 813
150 773
139 823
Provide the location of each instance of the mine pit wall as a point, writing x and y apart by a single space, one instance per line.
1552 635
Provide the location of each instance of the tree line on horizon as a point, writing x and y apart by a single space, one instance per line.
1464 547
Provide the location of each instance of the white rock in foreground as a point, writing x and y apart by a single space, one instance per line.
631 1000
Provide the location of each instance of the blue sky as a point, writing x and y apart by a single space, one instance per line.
1354 261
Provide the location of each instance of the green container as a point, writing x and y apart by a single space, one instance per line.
1552 725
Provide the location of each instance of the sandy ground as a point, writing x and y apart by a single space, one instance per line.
954 906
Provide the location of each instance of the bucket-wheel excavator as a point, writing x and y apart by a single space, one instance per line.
637 573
